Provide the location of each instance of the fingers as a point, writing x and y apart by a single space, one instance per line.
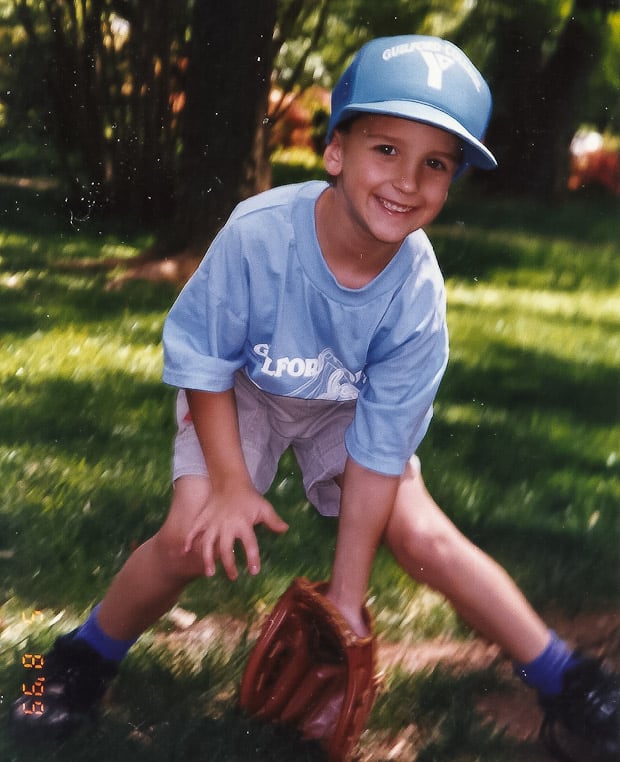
217 538
208 556
222 547
250 548
252 554
250 544
271 520
207 544
191 536
227 557
275 523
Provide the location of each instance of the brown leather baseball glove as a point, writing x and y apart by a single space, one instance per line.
310 672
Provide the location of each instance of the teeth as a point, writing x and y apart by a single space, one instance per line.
392 207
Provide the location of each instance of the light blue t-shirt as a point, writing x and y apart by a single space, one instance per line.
263 299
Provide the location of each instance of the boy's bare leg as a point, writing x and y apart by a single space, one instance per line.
432 550
155 574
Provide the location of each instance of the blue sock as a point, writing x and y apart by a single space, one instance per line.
109 648
546 672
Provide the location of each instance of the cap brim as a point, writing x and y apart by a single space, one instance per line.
475 153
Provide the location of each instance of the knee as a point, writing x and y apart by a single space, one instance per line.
169 546
189 497
422 538
424 550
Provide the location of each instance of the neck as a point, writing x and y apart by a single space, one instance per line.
354 258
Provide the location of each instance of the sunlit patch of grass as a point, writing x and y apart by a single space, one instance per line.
75 352
584 307
583 335
298 157
407 612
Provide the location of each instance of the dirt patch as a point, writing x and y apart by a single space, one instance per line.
146 266
177 270
514 710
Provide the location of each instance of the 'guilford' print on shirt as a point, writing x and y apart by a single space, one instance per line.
326 377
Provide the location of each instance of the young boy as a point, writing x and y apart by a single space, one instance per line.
317 321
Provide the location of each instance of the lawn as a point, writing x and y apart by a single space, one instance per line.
523 453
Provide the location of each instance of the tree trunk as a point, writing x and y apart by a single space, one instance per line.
565 76
224 141
538 108
144 172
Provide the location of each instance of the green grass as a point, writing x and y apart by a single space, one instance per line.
524 454
529 414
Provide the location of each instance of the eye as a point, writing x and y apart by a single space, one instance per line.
437 164
385 149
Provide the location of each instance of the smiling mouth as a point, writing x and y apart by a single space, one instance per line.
392 207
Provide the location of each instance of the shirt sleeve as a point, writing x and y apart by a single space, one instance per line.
205 332
406 363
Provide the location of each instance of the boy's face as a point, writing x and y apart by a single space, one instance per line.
393 174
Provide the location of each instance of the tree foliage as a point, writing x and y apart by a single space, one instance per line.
540 57
159 108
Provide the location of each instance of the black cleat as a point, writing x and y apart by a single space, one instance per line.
73 680
582 723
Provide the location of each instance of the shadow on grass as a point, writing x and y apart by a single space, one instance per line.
40 207
584 218
528 243
33 207
86 417
36 233
442 706
230 737
164 709
160 712
523 381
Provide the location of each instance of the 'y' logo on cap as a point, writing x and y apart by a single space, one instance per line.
437 64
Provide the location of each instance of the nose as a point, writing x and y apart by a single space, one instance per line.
406 180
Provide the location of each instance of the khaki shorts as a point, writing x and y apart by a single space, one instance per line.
269 424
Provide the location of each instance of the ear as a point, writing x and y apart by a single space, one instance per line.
332 155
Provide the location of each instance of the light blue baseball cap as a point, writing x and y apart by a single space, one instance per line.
427 79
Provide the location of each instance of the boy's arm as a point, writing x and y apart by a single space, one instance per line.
366 504
234 506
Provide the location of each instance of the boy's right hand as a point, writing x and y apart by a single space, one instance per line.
230 515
